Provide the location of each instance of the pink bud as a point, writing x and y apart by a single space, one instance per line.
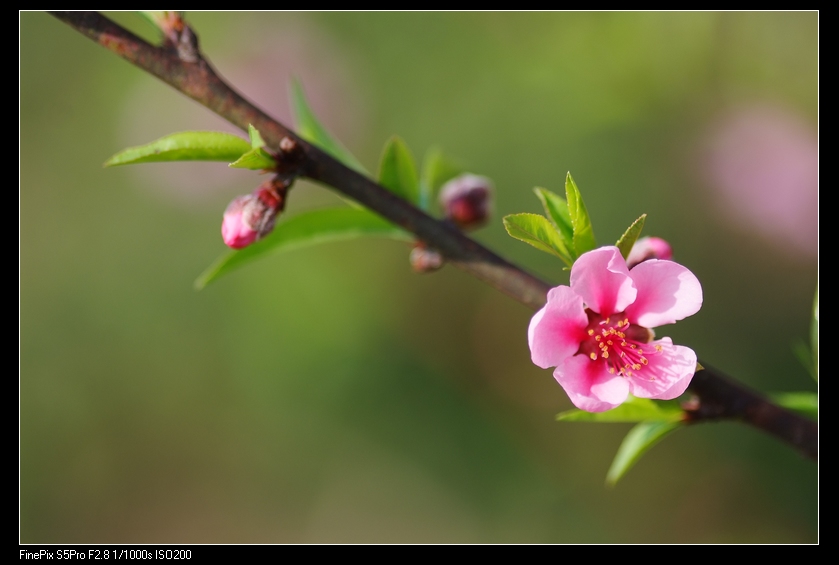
467 200
425 260
649 248
252 216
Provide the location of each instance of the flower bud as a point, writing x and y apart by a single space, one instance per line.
252 216
425 260
467 200
649 248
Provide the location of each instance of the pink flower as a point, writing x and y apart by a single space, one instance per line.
648 248
596 332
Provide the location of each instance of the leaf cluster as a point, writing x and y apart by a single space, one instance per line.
565 230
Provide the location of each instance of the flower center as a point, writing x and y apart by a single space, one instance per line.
625 348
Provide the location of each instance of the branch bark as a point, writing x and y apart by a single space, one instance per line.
718 396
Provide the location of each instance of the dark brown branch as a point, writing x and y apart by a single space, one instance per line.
719 397
200 82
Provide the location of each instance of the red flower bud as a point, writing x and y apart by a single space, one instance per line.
467 200
252 216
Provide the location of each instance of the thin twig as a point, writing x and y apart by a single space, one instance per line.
718 396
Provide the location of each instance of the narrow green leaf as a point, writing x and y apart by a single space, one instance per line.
630 236
256 159
557 210
303 230
639 439
805 403
184 146
538 232
313 131
155 17
151 16
398 171
632 410
437 170
580 221
814 334
255 137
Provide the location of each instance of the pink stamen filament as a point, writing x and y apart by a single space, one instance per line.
623 356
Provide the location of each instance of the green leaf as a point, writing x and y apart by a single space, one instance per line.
155 17
184 146
630 236
255 137
312 131
639 439
557 210
303 230
814 334
398 171
256 159
632 410
538 232
580 221
805 403
437 170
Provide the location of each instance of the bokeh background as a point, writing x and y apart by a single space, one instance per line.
330 394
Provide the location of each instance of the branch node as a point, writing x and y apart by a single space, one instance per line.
187 46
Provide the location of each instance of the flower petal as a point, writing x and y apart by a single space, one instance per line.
602 279
667 292
556 330
589 385
668 374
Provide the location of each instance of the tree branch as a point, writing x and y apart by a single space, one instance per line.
720 398
192 74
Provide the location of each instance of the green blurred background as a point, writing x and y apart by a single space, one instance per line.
330 394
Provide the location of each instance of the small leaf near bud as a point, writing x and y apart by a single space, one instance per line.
467 200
